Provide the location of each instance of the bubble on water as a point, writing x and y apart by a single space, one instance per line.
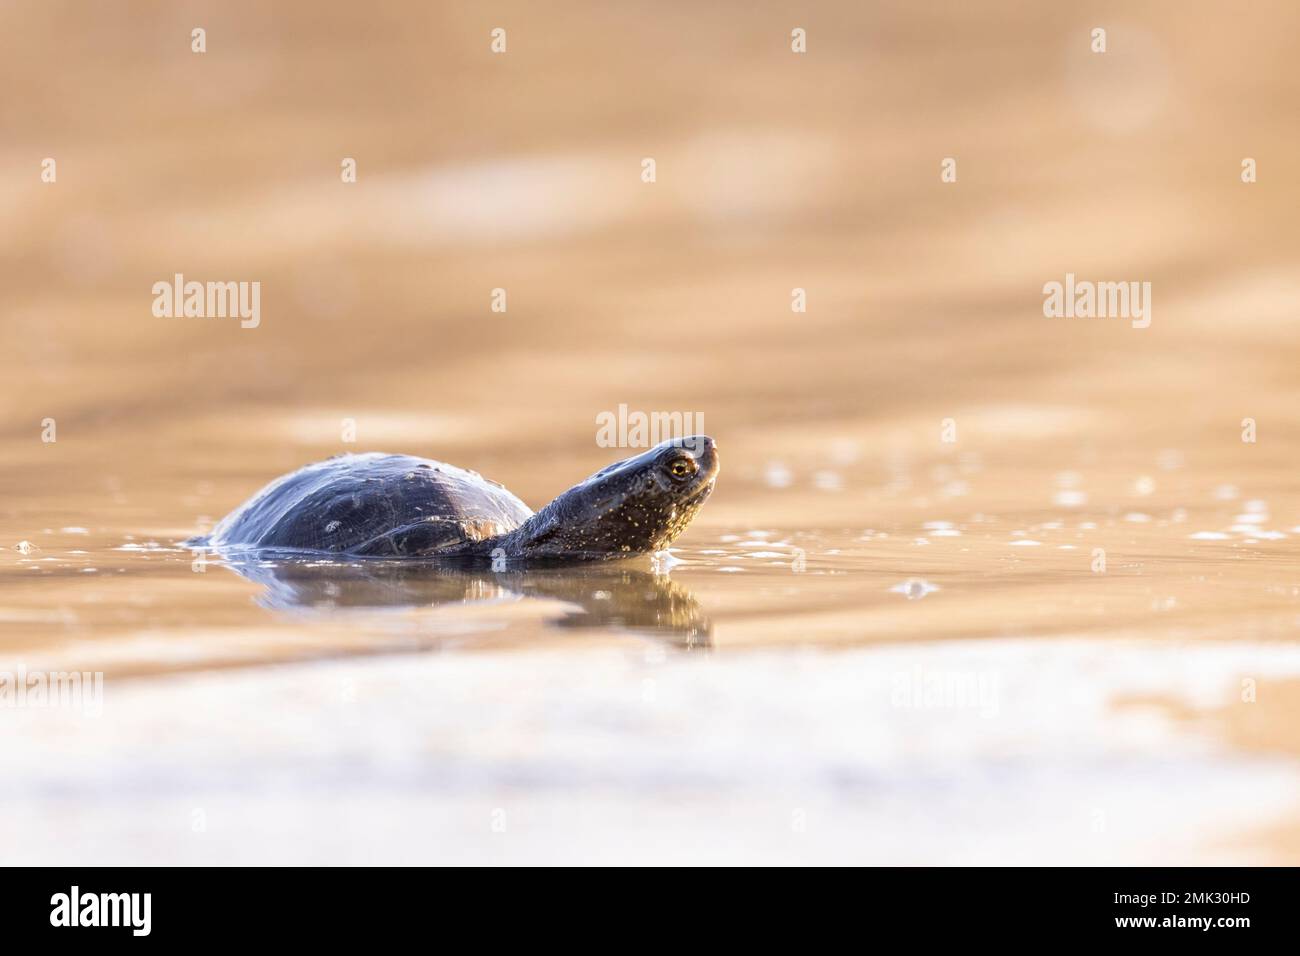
730 569
1250 518
1070 498
89 570
1087 525
1144 486
25 547
1256 506
777 475
941 529
661 562
1226 492
828 480
1170 459
914 588
845 451
765 554
1209 536
1270 535
1137 517
333 526
75 530
729 538
1026 543
1179 515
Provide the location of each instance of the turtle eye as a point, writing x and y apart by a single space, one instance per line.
683 468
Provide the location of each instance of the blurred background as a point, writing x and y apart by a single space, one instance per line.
522 171
774 171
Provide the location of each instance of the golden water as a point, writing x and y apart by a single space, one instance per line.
1066 635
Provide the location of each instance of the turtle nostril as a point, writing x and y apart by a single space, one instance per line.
700 446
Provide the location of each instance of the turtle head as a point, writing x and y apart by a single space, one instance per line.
635 506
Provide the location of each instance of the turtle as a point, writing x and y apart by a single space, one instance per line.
402 506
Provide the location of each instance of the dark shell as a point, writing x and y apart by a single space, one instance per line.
373 504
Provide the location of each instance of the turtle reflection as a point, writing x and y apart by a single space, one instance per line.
601 596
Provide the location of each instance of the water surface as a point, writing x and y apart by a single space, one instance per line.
944 683
975 585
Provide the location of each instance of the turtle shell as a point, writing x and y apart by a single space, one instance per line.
373 504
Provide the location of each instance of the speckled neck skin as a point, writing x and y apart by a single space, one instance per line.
636 506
